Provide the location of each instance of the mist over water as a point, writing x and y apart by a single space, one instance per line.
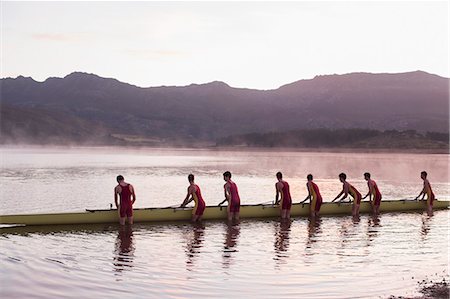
69 179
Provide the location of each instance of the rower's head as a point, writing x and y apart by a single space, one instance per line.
423 175
279 176
227 176
309 177
191 178
342 177
120 178
367 176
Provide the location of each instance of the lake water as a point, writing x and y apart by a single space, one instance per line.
333 257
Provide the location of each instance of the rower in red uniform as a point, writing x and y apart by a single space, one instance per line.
282 187
427 190
373 193
127 198
314 197
193 191
232 196
349 189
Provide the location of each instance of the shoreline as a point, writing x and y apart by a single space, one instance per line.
206 147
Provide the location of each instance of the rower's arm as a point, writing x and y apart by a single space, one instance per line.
186 199
133 195
422 192
116 197
226 194
368 193
277 193
309 194
339 195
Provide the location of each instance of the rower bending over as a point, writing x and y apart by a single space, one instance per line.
349 189
193 191
373 193
232 196
314 196
282 188
426 190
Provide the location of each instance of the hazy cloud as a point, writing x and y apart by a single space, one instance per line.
154 54
61 37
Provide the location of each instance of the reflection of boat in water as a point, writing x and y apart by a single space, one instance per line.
211 212
124 252
194 243
231 240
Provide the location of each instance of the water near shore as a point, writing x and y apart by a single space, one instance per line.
333 257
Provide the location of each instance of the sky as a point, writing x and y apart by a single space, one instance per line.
260 45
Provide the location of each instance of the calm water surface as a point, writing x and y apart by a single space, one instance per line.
333 257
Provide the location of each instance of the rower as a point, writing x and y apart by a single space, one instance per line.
426 190
346 190
232 196
194 194
126 192
314 197
282 188
373 193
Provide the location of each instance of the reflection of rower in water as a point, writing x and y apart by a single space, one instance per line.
282 188
194 243
314 197
282 230
231 240
193 191
313 229
349 189
232 196
374 194
373 225
426 190
124 252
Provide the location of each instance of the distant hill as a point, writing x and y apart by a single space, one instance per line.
87 108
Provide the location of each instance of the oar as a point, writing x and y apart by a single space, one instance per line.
408 199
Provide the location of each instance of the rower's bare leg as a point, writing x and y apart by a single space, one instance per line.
288 214
122 220
230 216
429 210
283 214
195 218
356 210
236 216
130 220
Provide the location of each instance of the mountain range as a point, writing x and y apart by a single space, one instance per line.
86 108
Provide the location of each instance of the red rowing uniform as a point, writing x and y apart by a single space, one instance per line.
376 195
126 207
353 192
286 201
199 202
235 202
316 200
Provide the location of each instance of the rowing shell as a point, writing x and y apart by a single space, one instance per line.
211 212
